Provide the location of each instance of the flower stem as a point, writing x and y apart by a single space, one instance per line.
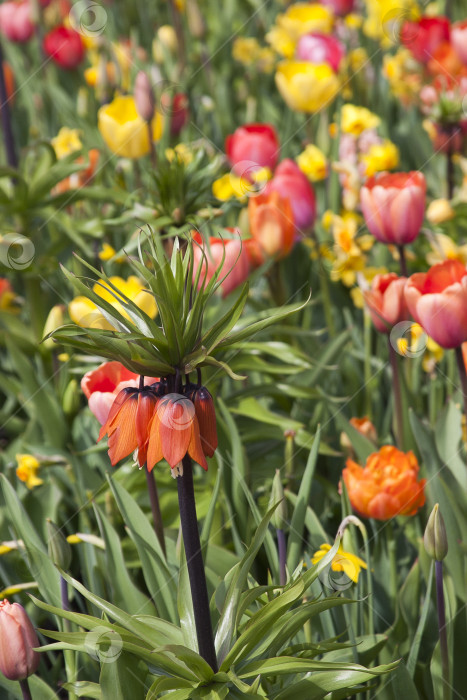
402 260
24 685
155 508
450 166
443 639
6 118
194 558
462 376
397 398
152 149
282 550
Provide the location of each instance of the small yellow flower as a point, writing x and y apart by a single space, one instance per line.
354 120
124 131
433 354
347 562
246 50
63 357
357 58
439 210
444 248
313 163
306 87
86 314
106 252
261 175
27 469
181 152
266 60
229 185
353 20
380 157
66 141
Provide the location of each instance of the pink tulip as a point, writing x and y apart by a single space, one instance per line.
339 7
15 21
18 660
437 300
292 184
459 39
101 386
320 48
386 301
252 147
394 206
236 262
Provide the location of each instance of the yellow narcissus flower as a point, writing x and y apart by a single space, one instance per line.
106 252
124 131
439 210
354 120
85 313
444 248
181 152
306 87
27 469
66 141
229 185
347 562
300 18
313 163
380 157
245 50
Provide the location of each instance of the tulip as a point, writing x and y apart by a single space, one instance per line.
459 39
394 205
435 537
18 660
252 147
439 211
124 131
387 486
144 96
386 302
177 108
272 223
437 300
339 7
65 47
424 36
306 87
292 184
300 18
320 48
101 386
15 21
174 433
236 263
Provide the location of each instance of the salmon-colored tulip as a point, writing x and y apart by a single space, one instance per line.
18 660
272 223
209 255
292 184
437 300
459 39
393 205
174 432
387 486
385 301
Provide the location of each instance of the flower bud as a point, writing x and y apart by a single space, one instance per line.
439 210
435 537
206 415
164 43
144 96
54 321
18 660
195 20
58 547
71 398
279 517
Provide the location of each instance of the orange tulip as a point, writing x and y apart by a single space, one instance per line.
387 486
174 432
385 301
272 223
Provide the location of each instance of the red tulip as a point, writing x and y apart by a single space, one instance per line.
424 36
386 301
272 224
65 47
320 48
252 147
236 261
437 300
394 206
292 184
18 660
339 7
15 21
459 39
179 112
101 386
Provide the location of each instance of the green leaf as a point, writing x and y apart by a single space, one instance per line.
84 689
123 678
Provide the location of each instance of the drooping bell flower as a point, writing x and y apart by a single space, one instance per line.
206 415
18 639
174 432
128 423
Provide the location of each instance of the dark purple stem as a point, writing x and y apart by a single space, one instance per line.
24 685
282 549
155 508
402 260
194 560
6 118
397 397
462 376
443 638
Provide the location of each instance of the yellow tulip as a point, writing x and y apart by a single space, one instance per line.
124 131
27 469
306 87
313 163
300 18
355 119
85 313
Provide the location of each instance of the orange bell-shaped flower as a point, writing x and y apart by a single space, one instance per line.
174 432
206 415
